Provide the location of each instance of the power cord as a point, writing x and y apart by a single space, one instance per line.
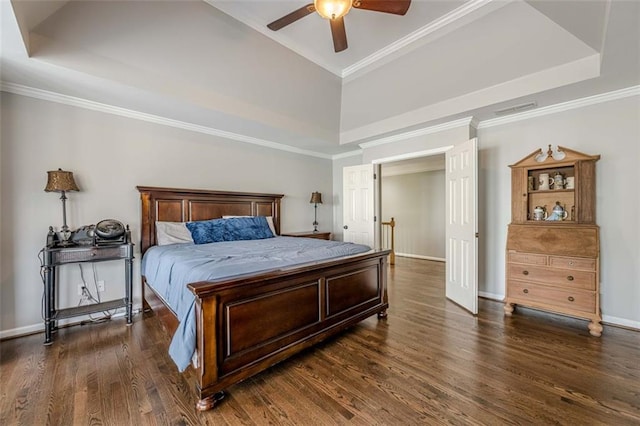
88 298
95 280
41 259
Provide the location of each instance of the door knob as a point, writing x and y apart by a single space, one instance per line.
346 227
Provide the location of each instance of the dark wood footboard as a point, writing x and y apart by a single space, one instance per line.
246 325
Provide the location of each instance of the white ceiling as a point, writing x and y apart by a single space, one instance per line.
213 66
368 32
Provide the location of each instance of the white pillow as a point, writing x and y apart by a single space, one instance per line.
172 233
269 222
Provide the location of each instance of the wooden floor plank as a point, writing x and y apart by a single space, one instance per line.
429 362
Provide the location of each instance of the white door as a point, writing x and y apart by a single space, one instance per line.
461 175
358 211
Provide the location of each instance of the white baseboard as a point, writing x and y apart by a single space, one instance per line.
21 331
419 256
607 319
492 296
39 328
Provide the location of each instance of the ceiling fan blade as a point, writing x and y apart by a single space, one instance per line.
339 34
292 17
397 7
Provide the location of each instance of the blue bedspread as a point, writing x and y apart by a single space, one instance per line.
168 269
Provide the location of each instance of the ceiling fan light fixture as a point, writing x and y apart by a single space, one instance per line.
332 9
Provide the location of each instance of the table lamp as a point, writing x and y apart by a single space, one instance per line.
62 181
316 198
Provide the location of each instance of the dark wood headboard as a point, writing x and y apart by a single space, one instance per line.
186 205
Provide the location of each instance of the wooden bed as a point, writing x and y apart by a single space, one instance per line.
245 325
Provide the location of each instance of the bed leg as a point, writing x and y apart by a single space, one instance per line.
211 401
382 314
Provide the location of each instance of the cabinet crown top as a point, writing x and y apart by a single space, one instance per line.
560 157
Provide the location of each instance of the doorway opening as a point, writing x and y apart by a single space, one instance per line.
412 192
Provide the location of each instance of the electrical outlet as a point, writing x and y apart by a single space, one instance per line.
100 285
80 287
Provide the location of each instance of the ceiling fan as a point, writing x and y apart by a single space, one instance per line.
334 11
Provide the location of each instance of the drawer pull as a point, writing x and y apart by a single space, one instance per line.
570 299
571 263
570 277
93 253
525 272
526 290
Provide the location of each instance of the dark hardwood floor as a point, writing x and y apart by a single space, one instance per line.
429 362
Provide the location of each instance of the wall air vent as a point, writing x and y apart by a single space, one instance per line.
516 108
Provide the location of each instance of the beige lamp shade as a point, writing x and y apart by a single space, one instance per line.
316 198
60 181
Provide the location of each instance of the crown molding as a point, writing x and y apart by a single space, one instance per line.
150 118
561 107
454 15
468 121
346 154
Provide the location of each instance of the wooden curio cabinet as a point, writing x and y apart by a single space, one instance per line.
553 246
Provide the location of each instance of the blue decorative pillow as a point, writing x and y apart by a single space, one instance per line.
207 231
247 228
235 229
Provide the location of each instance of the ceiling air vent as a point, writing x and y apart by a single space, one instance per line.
516 108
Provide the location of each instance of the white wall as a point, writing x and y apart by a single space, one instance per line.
109 155
417 202
611 129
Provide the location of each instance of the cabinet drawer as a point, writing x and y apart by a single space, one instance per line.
560 277
89 254
528 258
540 295
573 263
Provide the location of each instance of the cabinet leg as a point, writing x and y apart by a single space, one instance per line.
508 308
211 401
595 328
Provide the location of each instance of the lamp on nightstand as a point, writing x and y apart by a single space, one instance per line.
62 181
316 198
